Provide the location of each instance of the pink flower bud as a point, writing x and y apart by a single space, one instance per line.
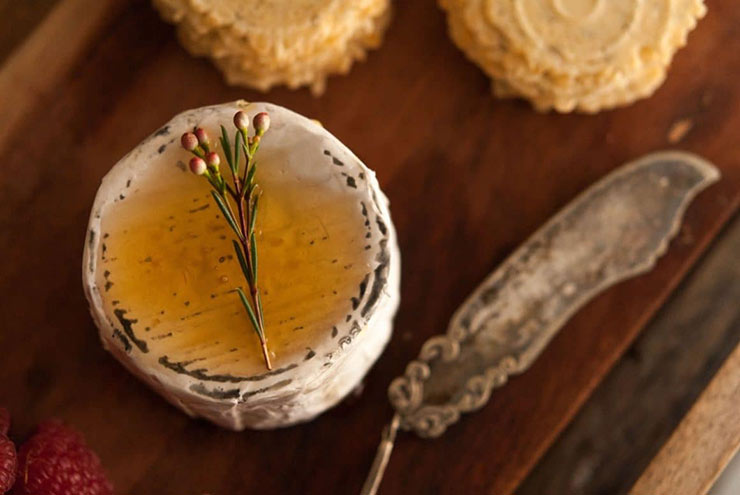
261 122
241 121
189 141
202 136
197 165
212 159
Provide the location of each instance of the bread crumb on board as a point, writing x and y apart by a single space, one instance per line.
679 129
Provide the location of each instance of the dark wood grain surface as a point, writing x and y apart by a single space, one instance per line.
421 116
18 19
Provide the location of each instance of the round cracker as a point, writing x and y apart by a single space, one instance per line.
516 74
593 36
314 39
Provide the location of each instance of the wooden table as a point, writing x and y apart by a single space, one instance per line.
85 80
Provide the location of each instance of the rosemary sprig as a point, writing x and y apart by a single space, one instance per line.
242 195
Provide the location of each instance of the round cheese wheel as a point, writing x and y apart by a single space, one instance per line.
160 273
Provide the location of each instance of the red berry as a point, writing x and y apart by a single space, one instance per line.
4 421
56 461
8 464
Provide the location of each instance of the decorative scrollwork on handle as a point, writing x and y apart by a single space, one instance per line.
407 392
431 421
475 394
439 347
499 375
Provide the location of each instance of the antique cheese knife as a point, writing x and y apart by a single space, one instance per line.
614 230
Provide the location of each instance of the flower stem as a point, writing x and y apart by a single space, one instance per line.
244 241
244 193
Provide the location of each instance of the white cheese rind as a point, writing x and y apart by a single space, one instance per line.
303 388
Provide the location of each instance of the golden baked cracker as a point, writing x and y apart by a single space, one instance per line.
573 37
516 73
282 41
237 72
589 100
225 42
262 73
521 60
545 93
264 15
370 32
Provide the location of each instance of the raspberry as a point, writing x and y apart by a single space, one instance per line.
56 461
4 421
8 462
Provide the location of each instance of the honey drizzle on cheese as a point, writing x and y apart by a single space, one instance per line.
167 260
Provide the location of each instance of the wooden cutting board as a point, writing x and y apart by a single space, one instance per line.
100 75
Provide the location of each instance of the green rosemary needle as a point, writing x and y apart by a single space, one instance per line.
240 195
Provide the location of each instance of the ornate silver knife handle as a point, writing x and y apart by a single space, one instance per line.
614 230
